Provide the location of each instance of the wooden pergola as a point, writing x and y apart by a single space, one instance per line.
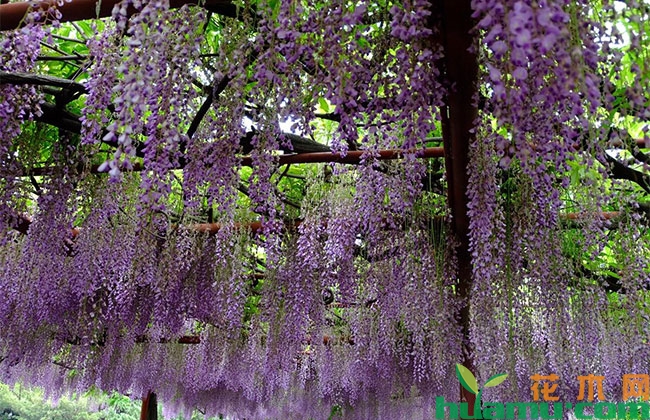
458 118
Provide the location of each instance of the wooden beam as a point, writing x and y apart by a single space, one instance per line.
353 158
12 15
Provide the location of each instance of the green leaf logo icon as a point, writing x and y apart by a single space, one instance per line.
495 380
467 379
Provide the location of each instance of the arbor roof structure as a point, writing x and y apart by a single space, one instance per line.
243 206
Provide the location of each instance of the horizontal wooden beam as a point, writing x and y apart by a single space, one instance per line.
606 215
12 15
254 227
19 78
22 223
353 157
185 339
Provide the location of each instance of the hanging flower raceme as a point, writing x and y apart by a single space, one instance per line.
156 52
546 84
19 50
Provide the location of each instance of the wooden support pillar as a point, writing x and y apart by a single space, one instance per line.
149 409
459 117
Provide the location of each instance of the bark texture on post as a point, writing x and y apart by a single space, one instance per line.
461 69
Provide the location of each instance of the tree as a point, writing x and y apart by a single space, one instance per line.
159 233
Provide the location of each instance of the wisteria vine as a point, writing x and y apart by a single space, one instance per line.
177 258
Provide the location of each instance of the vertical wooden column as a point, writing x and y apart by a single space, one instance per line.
459 116
149 409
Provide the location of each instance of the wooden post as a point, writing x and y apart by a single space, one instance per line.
149 409
459 117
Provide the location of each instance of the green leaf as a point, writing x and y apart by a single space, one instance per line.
495 380
363 42
274 5
322 103
466 379
249 86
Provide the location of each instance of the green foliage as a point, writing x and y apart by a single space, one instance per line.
336 412
19 402
30 404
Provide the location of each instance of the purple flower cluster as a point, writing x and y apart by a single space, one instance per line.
18 53
533 308
140 69
96 113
